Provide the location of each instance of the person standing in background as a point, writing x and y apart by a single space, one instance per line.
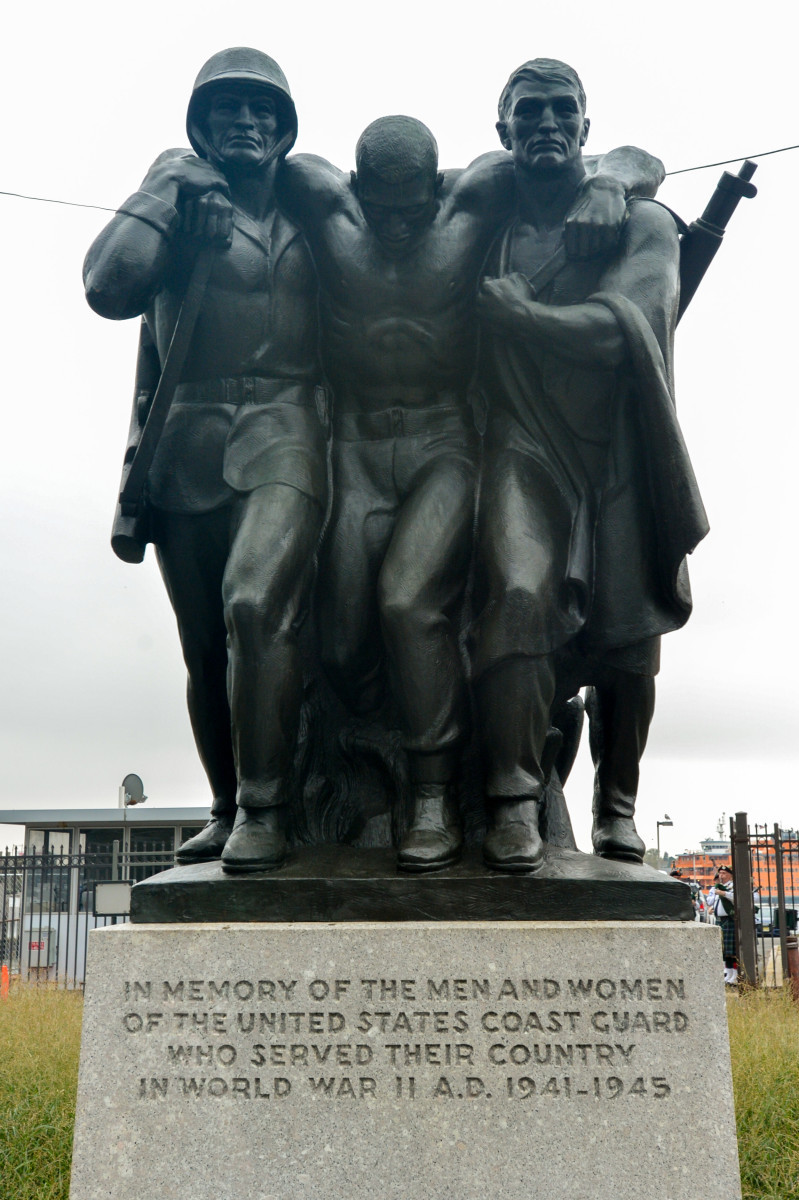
722 898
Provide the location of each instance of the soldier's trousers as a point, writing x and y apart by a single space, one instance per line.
393 571
239 579
529 651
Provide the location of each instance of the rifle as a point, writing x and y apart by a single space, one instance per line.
699 245
129 535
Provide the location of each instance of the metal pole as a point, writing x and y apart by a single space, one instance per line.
50 906
781 901
5 940
744 903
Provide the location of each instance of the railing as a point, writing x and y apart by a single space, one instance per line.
765 866
48 906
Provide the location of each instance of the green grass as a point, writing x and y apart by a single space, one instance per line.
764 1040
40 1039
39 1045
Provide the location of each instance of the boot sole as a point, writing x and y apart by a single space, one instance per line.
510 868
187 859
420 868
199 856
234 868
620 856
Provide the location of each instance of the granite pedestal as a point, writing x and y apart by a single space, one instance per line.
583 1061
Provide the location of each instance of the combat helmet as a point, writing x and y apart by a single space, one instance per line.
240 64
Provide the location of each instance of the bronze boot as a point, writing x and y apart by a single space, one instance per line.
209 843
258 841
619 714
513 842
614 834
435 838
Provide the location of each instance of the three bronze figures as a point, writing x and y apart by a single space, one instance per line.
432 409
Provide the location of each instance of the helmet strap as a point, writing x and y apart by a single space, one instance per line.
281 147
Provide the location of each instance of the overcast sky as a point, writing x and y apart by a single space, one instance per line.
93 680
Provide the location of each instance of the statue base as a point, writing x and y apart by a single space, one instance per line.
276 1061
340 883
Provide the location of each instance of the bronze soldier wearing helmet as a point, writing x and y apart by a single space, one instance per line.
236 491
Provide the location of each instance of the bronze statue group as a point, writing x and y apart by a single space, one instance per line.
316 347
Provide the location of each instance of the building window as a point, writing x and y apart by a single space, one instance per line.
52 841
48 879
188 831
151 851
104 860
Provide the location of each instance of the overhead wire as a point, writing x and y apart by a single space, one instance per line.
50 200
726 161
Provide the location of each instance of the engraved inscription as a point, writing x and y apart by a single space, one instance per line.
468 1039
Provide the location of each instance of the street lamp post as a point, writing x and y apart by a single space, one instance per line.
666 821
